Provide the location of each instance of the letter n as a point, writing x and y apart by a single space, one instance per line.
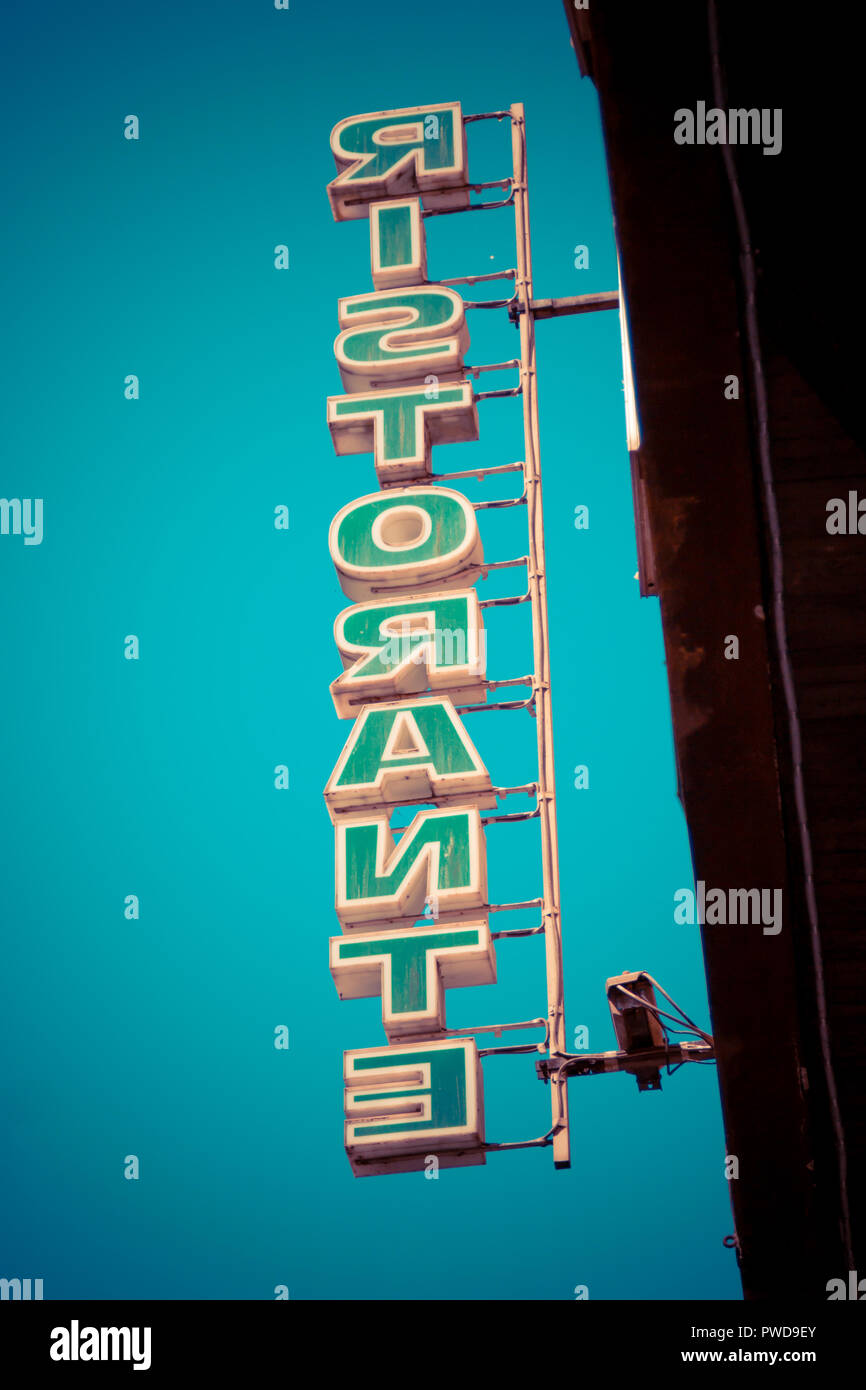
380 882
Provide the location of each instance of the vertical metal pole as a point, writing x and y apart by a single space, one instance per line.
551 915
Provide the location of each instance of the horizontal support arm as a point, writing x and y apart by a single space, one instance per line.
571 304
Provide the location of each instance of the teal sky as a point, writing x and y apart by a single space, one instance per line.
156 778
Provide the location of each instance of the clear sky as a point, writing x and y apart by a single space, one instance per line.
156 777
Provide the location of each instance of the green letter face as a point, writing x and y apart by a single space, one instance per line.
398 250
441 856
417 149
400 426
400 752
411 644
399 335
411 971
405 538
404 1103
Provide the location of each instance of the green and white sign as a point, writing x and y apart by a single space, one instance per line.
410 971
413 1100
416 150
398 247
408 750
401 424
406 538
411 643
398 335
441 856
412 902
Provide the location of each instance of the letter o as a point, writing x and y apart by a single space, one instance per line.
405 538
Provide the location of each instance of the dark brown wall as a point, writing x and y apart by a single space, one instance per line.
708 521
